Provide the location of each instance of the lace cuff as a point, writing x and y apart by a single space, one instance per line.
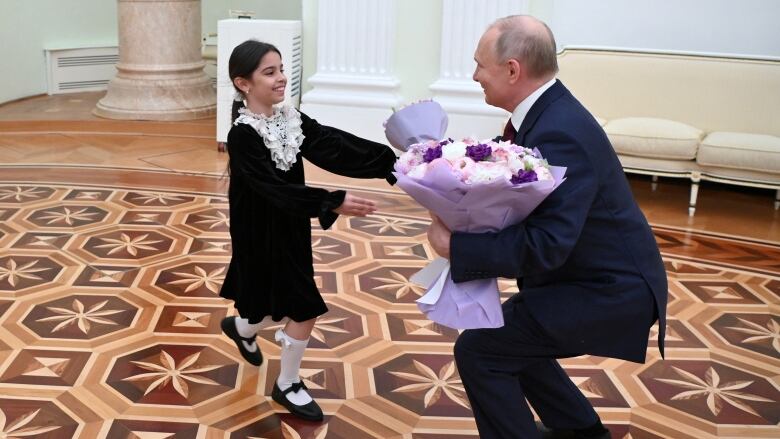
332 201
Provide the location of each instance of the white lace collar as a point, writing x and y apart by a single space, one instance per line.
281 133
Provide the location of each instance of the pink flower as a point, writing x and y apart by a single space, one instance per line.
501 153
520 150
407 161
464 168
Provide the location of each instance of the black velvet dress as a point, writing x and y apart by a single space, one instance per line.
271 271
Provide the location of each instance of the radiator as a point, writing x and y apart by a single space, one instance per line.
81 69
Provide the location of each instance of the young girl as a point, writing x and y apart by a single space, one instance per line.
271 274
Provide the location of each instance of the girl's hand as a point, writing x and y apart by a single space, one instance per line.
355 206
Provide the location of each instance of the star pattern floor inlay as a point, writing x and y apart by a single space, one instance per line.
109 316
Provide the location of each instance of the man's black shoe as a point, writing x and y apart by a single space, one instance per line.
597 431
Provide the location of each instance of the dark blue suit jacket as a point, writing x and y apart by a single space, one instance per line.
586 259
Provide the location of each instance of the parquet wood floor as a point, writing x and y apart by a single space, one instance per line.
113 244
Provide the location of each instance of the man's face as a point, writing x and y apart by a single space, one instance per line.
492 75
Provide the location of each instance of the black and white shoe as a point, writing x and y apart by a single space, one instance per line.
597 431
309 412
229 328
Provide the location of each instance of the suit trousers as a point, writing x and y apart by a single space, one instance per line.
503 367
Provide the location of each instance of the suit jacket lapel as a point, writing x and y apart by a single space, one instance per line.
550 95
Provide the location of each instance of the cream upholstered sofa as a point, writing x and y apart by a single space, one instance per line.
686 116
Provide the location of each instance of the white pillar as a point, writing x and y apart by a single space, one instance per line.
354 88
463 23
160 71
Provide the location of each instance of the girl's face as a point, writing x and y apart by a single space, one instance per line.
267 83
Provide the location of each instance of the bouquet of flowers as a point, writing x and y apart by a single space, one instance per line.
472 186
475 162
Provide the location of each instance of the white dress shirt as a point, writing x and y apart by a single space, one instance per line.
524 107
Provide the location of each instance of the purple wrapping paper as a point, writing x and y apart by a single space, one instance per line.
476 209
416 123
463 208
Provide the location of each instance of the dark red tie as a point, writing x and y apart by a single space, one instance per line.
509 132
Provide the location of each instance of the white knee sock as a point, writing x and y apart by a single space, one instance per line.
245 329
292 354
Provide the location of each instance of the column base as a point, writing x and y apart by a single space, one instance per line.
166 100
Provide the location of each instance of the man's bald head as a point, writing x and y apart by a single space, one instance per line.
529 41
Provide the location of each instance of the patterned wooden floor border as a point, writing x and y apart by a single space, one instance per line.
109 325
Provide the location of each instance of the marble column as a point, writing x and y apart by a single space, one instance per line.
160 71
463 22
354 87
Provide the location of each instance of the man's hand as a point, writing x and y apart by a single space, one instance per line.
355 206
439 237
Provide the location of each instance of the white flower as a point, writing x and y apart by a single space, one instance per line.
530 162
515 164
453 151
542 173
418 171
486 172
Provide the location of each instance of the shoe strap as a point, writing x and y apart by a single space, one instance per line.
239 336
295 387
247 339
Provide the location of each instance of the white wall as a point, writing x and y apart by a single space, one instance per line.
309 13
215 10
27 27
417 46
745 27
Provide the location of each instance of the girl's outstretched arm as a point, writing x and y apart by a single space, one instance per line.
345 154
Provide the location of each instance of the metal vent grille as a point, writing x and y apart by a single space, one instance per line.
82 69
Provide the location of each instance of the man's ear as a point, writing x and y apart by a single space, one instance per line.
515 70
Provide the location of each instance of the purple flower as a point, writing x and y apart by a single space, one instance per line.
446 141
432 154
524 177
479 152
